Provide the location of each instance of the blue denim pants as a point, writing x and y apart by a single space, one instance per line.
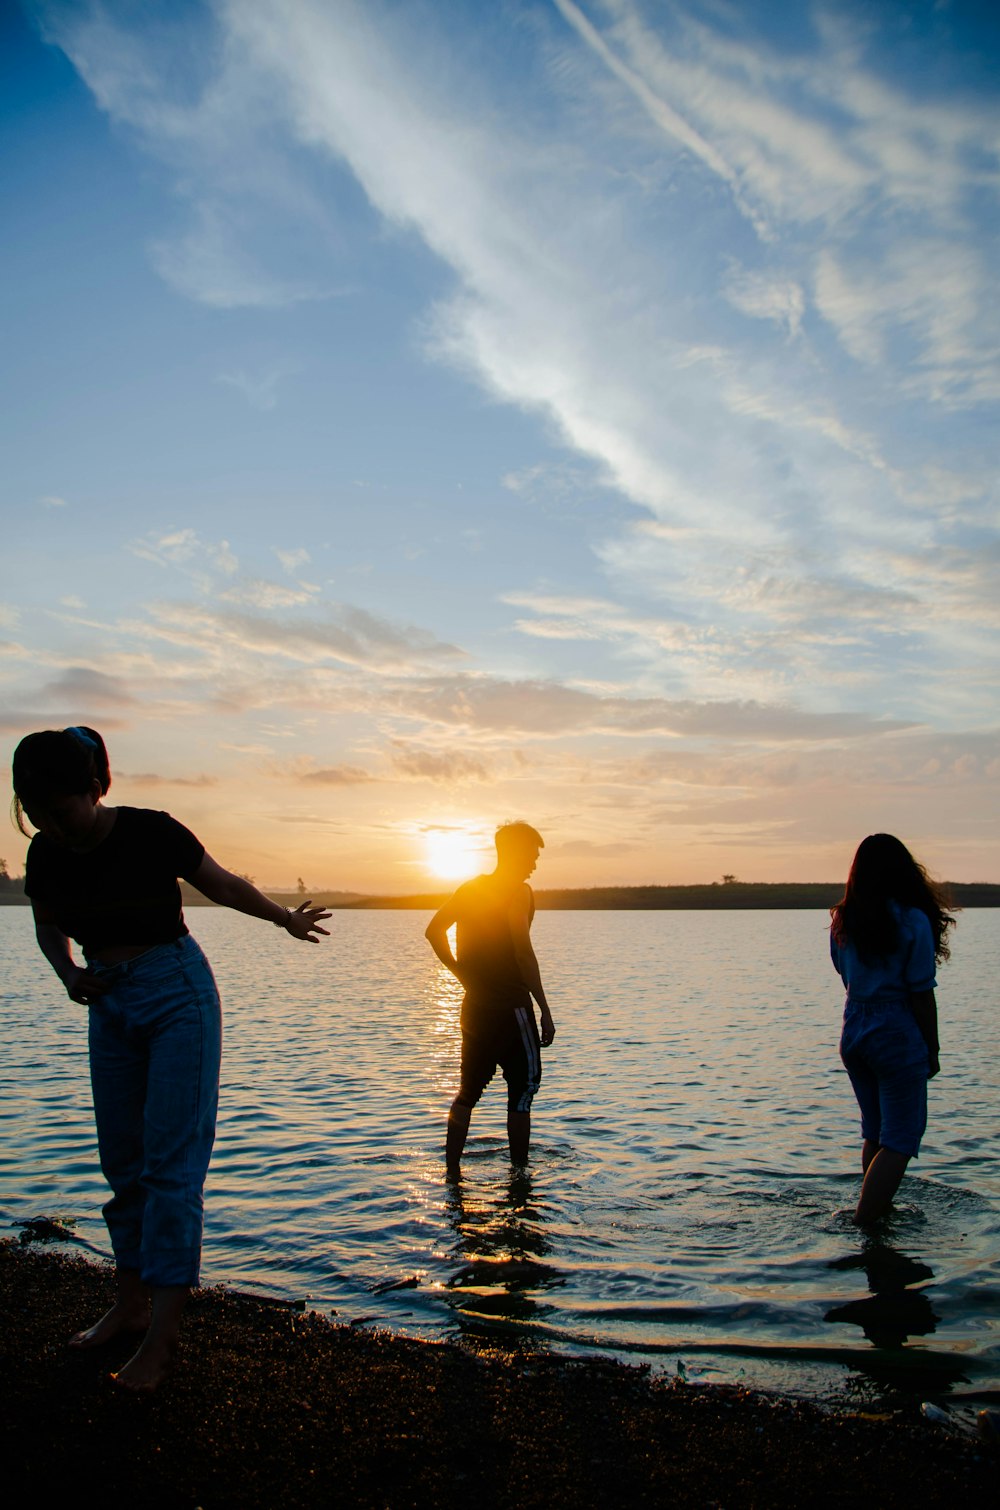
886 1058
155 1048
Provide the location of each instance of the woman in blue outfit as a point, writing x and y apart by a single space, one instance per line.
107 877
889 929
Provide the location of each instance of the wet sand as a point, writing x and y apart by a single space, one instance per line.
268 1406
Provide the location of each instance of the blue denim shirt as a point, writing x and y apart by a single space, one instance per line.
908 969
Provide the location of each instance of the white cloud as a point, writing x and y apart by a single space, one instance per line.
293 560
929 293
260 389
185 548
266 595
208 263
765 297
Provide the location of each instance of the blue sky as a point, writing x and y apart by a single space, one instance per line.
418 415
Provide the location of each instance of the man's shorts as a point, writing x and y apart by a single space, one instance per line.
504 1034
886 1058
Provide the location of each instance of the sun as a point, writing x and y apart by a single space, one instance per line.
451 853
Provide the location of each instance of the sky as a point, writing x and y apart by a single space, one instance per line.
418 414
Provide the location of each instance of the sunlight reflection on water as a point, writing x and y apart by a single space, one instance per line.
695 1139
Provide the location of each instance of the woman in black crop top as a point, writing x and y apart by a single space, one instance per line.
108 878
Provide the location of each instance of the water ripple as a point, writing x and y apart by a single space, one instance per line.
695 1150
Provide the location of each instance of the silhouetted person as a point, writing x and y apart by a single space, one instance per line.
106 877
888 930
496 964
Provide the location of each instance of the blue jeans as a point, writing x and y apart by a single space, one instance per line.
886 1058
155 1047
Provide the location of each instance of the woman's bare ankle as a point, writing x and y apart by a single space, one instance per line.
131 1315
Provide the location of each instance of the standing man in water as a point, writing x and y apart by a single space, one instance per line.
496 964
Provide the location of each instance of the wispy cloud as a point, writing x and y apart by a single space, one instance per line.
765 296
267 595
436 765
543 710
260 389
186 548
156 779
345 635
293 560
340 775
86 687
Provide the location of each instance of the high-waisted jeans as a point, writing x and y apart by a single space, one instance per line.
886 1058
155 1047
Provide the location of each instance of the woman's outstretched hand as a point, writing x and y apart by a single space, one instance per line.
303 923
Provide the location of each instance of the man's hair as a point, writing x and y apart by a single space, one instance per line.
517 835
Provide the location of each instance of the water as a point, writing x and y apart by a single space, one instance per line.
695 1145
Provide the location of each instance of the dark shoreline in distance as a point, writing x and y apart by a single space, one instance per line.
272 1406
721 896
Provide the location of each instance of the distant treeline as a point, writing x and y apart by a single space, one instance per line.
724 895
782 895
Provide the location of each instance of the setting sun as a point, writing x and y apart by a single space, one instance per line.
452 854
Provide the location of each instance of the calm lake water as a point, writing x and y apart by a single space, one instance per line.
695 1145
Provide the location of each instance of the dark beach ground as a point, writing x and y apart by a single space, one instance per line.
273 1407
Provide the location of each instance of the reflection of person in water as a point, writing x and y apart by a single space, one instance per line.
502 1250
495 962
889 1316
893 1311
888 929
107 877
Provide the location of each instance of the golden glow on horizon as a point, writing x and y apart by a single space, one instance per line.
452 854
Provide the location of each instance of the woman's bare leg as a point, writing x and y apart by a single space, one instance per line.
146 1368
882 1178
130 1312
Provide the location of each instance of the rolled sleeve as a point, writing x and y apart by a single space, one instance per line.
918 972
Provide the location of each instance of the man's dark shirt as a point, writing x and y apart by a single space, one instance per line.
484 947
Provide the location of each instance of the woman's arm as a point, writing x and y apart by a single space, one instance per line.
923 1005
80 987
227 890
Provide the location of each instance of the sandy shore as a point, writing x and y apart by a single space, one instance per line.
272 1407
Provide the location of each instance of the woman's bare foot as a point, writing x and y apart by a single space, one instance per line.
124 1316
146 1369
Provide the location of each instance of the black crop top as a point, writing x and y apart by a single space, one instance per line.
125 890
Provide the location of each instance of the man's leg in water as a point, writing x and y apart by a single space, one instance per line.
519 1136
479 1064
522 1070
458 1131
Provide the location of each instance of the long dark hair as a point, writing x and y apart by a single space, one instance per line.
57 763
884 871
